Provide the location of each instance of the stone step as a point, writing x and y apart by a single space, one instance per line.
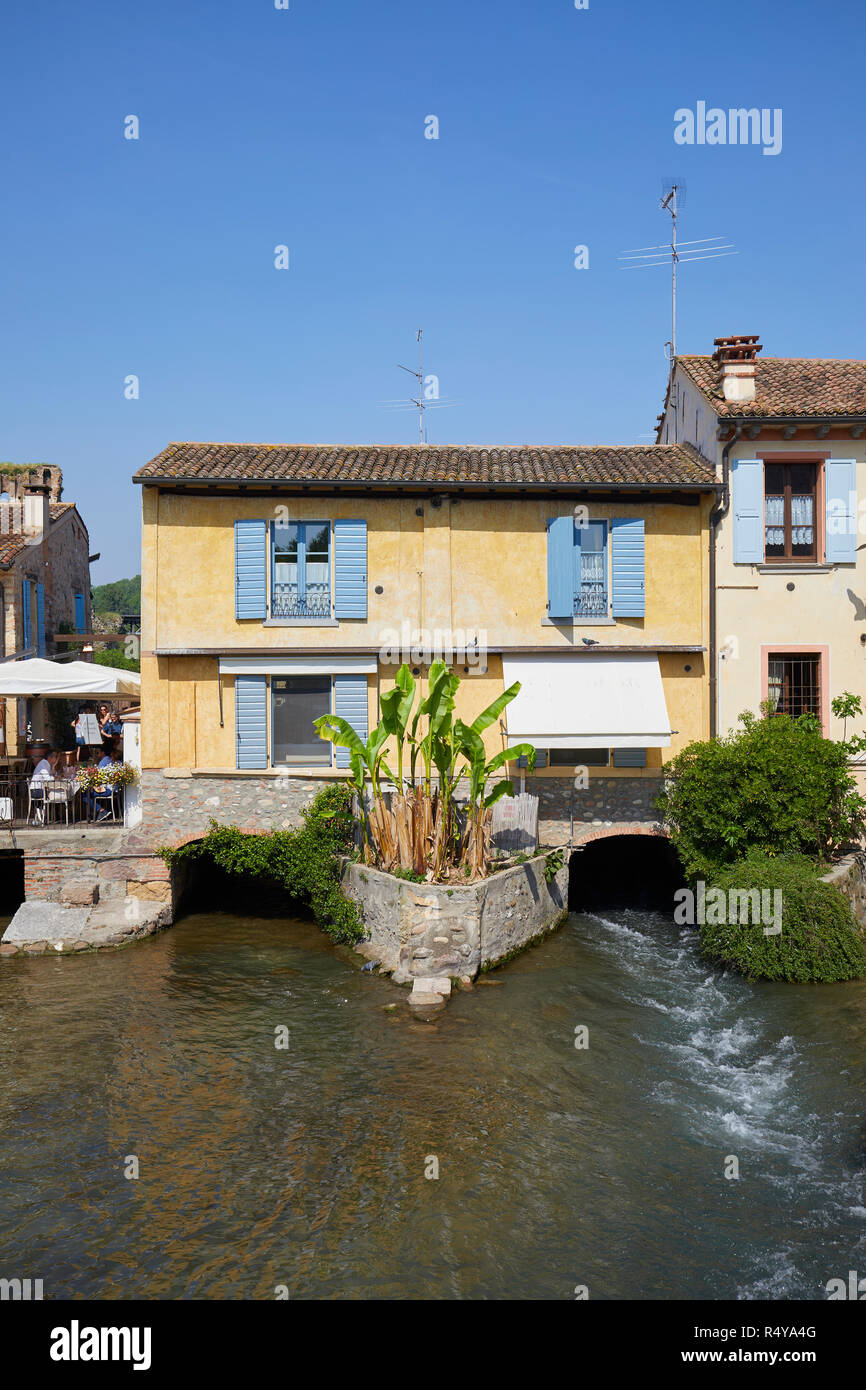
432 984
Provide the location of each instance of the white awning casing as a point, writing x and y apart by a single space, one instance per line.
281 665
585 701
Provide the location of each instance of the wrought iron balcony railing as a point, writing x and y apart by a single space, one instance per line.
288 603
590 602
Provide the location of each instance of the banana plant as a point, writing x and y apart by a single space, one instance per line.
396 711
466 738
456 750
437 709
479 769
370 754
493 711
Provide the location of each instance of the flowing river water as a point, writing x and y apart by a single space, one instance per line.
306 1166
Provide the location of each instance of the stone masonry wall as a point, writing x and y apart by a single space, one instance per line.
421 930
118 865
605 799
849 876
180 807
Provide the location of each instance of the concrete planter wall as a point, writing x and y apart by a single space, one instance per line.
427 929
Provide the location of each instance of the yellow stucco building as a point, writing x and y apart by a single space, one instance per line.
280 582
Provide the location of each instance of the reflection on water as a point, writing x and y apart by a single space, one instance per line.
305 1166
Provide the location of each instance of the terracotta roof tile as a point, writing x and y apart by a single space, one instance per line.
431 465
788 386
13 542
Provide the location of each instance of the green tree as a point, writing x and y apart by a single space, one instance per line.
775 784
121 596
113 656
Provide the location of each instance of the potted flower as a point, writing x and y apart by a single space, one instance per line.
122 775
92 778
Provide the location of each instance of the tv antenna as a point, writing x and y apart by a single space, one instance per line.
428 392
419 376
703 249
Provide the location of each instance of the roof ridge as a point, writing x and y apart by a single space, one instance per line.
403 448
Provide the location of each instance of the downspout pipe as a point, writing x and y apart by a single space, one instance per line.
717 515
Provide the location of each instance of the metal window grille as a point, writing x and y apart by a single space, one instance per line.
794 684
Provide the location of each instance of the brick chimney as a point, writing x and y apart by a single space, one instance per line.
735 360
37 510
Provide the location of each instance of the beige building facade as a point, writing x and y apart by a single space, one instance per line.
788 439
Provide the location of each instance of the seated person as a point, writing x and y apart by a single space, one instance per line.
67 769
45 770
101 802
44 773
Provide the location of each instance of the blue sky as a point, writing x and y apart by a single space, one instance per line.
305 127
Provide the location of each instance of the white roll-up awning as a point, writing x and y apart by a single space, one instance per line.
279 665
583 701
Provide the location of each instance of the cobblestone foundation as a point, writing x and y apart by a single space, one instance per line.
605 799
175 809
179 808
117 876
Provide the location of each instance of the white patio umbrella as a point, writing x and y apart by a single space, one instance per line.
64 679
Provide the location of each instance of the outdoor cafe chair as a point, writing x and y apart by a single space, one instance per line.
106 800
44 799
36 803
59 793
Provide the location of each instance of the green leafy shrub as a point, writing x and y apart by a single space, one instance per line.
819 941
775 785
304 861
409 874
553 863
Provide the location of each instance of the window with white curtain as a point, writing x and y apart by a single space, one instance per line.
590 596
301 569
790 530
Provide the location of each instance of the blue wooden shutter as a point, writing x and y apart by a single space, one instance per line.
40 619
627 544
350 702
747 495
840 490
79 613
629 757
350 569
251 569
560 567
251 721
25 612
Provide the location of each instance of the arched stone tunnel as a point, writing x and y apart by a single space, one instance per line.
622 866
